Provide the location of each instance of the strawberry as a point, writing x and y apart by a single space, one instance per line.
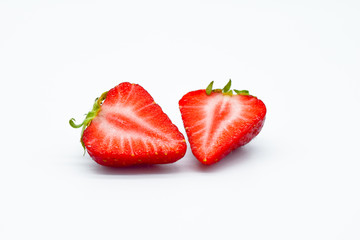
126 127
219 121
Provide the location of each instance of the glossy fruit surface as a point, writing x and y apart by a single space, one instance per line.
217 121
129 128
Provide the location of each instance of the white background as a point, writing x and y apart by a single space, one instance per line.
298 179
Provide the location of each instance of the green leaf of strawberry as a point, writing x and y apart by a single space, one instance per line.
227 87
209 88
89 116
242 92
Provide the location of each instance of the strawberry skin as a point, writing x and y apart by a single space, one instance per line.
131 129
217 123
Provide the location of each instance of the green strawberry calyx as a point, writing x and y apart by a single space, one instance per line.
89 116
226 90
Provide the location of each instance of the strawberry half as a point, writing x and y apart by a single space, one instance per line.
219 121
126 127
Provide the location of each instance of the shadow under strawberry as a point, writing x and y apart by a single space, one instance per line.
137 170
237 157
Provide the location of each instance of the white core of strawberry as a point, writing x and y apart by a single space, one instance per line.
121 136
231 105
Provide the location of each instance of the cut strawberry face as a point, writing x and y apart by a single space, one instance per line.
129 128
218 121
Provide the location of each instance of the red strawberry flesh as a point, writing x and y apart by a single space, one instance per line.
218 123
132 129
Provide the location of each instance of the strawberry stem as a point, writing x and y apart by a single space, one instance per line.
89 117
230 93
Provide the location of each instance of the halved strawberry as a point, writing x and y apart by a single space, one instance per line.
126 127
218 121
